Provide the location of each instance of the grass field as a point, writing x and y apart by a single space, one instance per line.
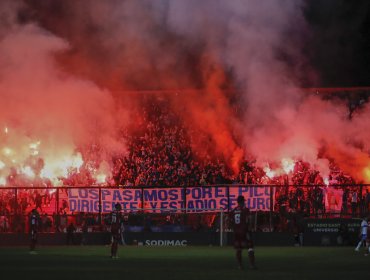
92 262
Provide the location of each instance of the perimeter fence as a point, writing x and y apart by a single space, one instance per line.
274 208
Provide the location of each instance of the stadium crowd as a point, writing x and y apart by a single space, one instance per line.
160 154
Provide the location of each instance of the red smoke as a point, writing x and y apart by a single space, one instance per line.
68 65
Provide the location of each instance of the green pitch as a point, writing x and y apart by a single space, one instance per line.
92 262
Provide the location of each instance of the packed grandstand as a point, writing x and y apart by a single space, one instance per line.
164 153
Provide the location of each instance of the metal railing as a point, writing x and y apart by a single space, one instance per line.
273 206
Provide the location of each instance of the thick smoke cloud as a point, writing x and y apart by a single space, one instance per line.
263 44
46 112
244 54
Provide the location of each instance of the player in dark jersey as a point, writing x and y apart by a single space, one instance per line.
242 237
116 219
367 249
34 224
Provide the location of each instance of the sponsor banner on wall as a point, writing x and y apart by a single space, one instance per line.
160 242
331 225
180 239
194 199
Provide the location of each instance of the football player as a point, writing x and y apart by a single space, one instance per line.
34 224
363 233
116 219
242 235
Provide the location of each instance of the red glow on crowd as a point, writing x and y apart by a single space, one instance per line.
73 111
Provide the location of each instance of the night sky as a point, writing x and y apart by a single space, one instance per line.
339 48
336 43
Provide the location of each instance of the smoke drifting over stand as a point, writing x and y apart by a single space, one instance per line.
237 67
47 115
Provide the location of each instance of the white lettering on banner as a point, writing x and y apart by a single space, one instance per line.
256 198
197 198
206 198
166 242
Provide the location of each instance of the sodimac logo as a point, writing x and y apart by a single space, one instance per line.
166 242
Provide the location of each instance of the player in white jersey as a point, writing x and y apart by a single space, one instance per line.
363 233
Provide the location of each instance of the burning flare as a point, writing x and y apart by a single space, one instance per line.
366 173
30 160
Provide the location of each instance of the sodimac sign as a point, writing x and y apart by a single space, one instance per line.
194 199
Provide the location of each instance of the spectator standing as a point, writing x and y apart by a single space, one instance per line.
85 232
345 201
71 234
354 200
367 202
